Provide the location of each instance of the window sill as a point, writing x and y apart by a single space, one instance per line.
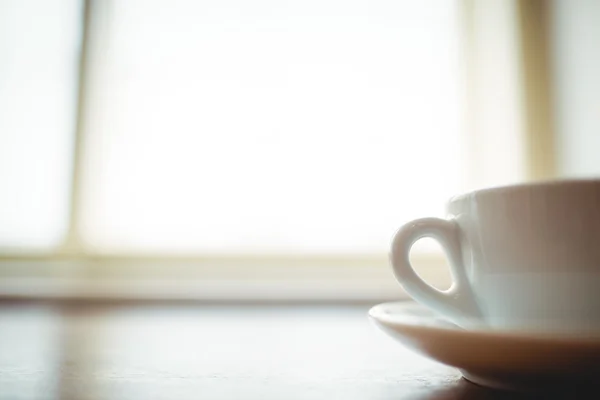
216 280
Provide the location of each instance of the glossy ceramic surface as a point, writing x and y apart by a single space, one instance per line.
525 256
501 360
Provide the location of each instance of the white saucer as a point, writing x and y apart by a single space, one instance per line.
501 360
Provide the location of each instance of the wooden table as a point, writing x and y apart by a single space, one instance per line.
192 351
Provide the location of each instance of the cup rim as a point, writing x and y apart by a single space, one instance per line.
524 186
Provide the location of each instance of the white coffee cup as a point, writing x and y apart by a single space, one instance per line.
521 257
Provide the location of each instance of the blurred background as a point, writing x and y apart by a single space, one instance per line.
268 150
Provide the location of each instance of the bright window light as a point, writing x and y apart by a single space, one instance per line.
39 50
268 127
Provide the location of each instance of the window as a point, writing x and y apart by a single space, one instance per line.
39 43
269 127
259 132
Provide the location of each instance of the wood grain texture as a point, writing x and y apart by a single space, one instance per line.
53 351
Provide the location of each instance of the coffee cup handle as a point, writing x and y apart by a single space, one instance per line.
457 303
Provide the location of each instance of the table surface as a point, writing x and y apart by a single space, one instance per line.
178 351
